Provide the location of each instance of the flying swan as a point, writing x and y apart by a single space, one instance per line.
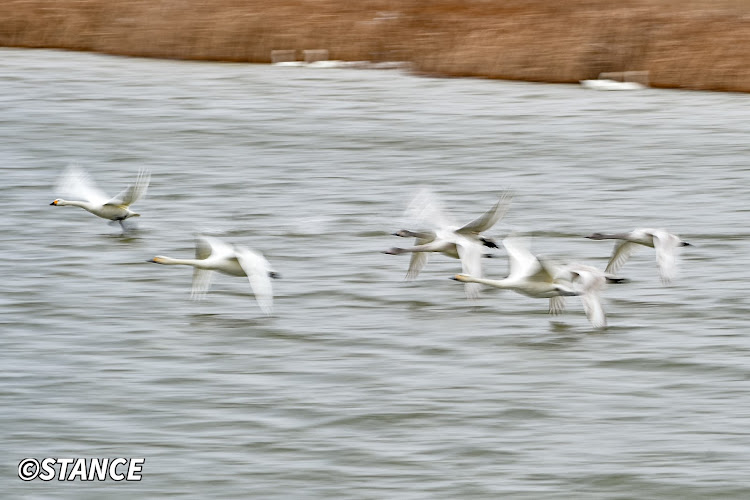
77 182
664 243
213 254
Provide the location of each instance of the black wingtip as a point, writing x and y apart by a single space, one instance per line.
617 280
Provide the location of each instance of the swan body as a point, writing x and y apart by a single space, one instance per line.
664 243
458 242
213 254
543 279
117 208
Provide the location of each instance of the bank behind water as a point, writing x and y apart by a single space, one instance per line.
695 44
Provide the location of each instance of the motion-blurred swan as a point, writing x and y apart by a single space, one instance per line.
459 242
212 254
77 183
537 278
664 243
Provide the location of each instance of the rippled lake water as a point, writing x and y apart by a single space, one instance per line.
362 385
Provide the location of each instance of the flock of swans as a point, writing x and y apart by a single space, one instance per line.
529 274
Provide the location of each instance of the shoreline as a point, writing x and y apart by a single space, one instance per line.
694 44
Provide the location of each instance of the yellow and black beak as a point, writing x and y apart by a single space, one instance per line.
54 203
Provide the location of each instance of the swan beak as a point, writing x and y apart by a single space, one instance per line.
54 203
456 277
686 244
155 259
274 275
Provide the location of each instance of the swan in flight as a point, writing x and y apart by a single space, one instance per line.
459 242
77 182
212 254
664 243
544 279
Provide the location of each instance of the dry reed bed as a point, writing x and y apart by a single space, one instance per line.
694 44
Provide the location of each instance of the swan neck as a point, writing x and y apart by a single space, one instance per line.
73 203
178 262
485 281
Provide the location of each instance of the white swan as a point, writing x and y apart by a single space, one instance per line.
589 281
664 243
212 254
459 242
77 183
543 279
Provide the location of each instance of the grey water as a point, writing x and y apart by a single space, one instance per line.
361 384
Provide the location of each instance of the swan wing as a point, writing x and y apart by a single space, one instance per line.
556 305
489 218
201 283
590 282
426 208
665 245
620 255
418 259
76 182
258 271
522 263
471 264
592 306
133 192
209 247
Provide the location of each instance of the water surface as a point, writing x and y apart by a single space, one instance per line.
362 385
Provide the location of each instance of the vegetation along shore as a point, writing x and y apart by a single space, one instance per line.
689 44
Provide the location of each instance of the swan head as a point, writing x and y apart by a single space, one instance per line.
596 236
159 259
464 278
403 233
394 251
57 202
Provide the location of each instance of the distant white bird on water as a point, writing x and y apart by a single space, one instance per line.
606 84
459 242
77 182
213 254
533 277
664 243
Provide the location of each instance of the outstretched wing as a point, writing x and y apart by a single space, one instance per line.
522 263
556 305
201 283
76 183
471 264
132 193
620 255
590 281
489 218
258 271
592 306
665 245
425 208
418 259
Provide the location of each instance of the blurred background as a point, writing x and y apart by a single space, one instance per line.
694 44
